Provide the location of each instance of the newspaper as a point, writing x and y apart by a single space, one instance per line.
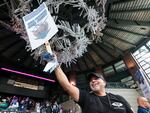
40 26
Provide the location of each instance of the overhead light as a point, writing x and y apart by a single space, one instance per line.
27 74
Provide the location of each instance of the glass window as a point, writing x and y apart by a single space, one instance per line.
146 66
120 66
141 52
142 63
109 70
149 75
148 44
147 70
142 56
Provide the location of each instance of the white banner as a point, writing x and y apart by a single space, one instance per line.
144 85
40 26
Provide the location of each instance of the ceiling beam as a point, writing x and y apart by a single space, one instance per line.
9 39
21 49
33 64
118 50
124 41
28 61
36 63
78 65
74 67
102 48
8 45
121 22
121 1
140 44
24 57
131 10
127 31
90 63
10 52
85 62
98 54
113 49
91 58
5 33
20 54
7 62
147 47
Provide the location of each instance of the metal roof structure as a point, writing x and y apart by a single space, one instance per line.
128 25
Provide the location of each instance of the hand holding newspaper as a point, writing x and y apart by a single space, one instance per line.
53 63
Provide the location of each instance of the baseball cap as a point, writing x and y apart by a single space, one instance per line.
99 75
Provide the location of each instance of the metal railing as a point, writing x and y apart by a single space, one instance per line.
116 85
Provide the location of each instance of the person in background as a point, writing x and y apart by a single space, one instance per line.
37 107
14 104
22 106
96 101
3 104
143 105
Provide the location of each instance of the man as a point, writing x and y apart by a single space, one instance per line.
96 101
143 105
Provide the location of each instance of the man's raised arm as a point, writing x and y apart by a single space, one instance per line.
64 82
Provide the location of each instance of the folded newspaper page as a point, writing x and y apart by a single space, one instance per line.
40 26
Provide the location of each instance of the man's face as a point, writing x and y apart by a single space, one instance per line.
147 104
97 84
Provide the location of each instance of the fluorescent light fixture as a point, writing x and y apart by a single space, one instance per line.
26 74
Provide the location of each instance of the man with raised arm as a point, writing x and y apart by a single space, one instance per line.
96 101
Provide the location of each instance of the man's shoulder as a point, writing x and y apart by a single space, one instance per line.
111 95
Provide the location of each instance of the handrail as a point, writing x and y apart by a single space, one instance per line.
117 85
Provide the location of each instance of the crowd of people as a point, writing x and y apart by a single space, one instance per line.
95 101
26 104
111 104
